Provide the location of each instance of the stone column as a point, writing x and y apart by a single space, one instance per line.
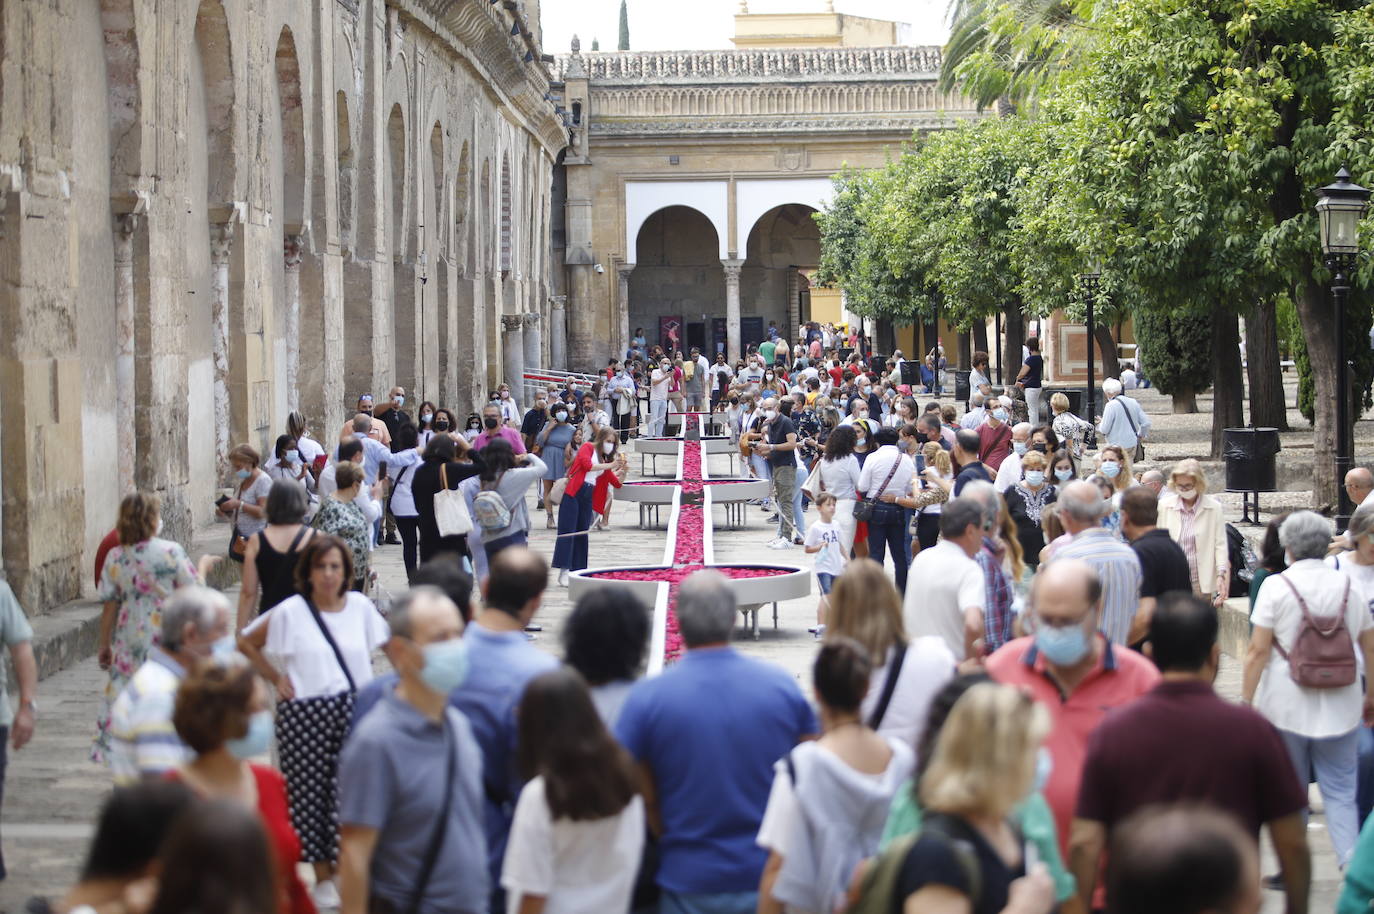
291 256
125 228
732 269
622 305
793 305
581 310
221 245
513 355
558 333
533 340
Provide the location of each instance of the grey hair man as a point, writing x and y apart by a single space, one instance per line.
1359 482
1153 480
976 413
744 714
1318 718
143 742
1009 473
1125 617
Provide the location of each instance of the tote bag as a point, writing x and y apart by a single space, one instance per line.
450 509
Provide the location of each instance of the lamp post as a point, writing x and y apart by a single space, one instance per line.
1340 207
1092 281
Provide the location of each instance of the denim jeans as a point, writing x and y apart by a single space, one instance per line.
886 529
1333 759
1364 790
658 412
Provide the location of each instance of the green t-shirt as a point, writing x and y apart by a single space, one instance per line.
769 350
14 629
904 817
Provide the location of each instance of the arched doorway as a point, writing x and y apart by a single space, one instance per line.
784 244
677 279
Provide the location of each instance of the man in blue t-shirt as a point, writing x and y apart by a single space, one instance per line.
706 734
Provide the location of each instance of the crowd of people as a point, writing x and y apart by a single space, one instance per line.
1010 708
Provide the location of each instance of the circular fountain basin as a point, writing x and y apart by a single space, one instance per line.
722 490
786 583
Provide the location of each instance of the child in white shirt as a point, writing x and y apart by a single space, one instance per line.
823 541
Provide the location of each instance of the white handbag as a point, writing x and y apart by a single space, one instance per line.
450 509
813 485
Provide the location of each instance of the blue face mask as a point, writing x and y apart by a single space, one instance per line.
1035 477
242 474
446 665
255 742
1062 646
1063 475
1000 415
225 647
1111 470
293 456
1019 447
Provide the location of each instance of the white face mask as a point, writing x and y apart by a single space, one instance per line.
608 447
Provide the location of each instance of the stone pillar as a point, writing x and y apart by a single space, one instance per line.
513 355
125 228
221 245
793 305
291 255
558 333
622 307
580 318
732 348
533 341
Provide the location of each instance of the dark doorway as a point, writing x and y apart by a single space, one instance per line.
718 334
750 332
696 336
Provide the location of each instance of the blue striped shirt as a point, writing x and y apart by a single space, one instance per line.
1119 570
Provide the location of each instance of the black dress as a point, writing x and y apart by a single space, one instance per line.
277 570
424 488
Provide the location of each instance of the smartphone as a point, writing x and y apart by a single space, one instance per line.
381 471
221 500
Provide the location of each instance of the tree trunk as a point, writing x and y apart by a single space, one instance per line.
1228 388
1014 335
931 332
1185 400
1314 313
1267 406
1110 365
965 350
980 338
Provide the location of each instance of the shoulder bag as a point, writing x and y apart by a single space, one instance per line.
238 543
379 905
863 508
894 670
450 508
1139 454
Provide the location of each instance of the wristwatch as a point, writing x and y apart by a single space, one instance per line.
31 706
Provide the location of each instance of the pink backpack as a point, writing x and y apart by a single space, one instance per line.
1321 658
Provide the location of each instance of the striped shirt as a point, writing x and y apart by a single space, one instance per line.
997 614
1118 568
142 738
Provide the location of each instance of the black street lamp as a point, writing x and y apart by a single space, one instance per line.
1092 281
1340 207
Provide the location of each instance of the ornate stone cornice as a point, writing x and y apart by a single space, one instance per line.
779 126
636 68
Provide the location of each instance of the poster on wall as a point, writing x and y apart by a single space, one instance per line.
670 332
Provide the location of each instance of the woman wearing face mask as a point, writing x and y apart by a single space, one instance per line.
1194 519
473 428
510 476
772 385
246 507
222 715
324 639
286 462
840 477
308 448
598 465
553 442
424 418
1026 501
139 574
1062 469
1120 474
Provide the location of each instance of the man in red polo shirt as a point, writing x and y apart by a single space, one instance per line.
1181 743
1076 673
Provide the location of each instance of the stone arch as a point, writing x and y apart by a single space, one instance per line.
117 21
396 170
435 217
292 114
677 273
782 243
347 166
289 172
212 43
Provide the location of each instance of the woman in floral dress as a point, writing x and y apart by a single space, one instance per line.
341 515
139 574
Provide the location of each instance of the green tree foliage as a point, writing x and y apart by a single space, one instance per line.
624 43
1013 49
1175 353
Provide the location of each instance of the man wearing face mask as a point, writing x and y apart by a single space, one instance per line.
1183 743
1077 674
143 742
659 380
392 416
492 427
376 428
1009 473
994 435
410 777
1125 618
621 389
533 423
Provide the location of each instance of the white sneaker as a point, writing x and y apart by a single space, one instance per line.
325 894
780 543
562 577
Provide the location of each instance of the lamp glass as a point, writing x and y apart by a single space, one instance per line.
1340 224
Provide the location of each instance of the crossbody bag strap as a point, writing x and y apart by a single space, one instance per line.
338 654
436 839
296 541
890 473
1130 421
443 476
894 670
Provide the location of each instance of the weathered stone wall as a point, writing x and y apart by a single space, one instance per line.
213 212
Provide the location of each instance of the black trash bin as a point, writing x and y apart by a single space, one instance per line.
961 385
911 373
1249 454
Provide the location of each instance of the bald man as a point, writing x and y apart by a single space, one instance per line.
1359 482
1153 480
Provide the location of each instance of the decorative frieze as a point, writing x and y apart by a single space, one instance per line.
753 64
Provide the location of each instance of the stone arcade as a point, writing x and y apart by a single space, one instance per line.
215 211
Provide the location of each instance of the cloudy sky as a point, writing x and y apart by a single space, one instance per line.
657 25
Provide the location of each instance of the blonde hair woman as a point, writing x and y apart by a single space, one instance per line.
1027 501
985 763
928 493
865 607
1194 519
1069 428
1120 477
